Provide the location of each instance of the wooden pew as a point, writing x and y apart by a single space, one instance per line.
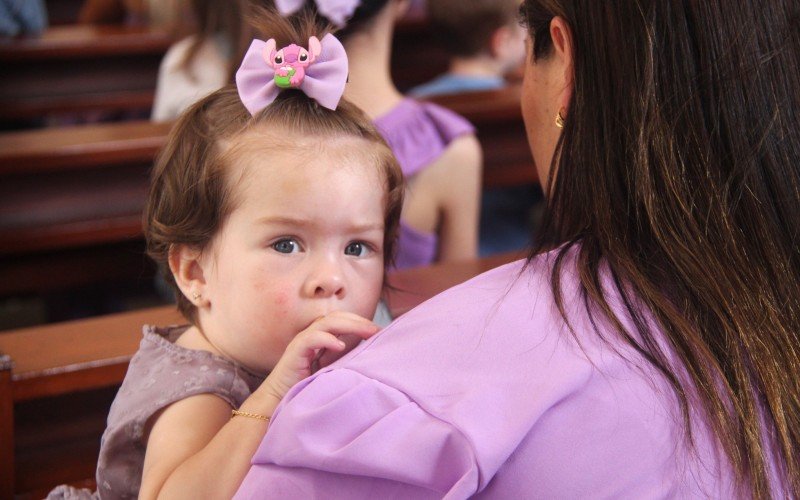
75 69
51 365
70 204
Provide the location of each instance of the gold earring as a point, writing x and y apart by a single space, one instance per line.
560 120
196 296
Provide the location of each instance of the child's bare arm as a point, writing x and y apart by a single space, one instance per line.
195 448
460 176
193 428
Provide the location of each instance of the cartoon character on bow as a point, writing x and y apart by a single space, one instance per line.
290 62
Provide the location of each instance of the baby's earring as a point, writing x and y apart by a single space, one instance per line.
560 120
196 296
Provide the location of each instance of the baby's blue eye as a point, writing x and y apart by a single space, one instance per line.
286 246
357 249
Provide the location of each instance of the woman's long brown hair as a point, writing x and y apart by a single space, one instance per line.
679 170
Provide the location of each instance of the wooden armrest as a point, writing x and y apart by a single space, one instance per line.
77 355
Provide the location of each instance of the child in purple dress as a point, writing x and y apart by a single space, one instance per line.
276 212
437 149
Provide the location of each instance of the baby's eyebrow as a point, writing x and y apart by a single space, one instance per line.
367 228
286 221
299 222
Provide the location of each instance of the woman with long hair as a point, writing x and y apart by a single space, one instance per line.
650 345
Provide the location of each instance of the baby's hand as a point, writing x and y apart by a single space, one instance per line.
317 346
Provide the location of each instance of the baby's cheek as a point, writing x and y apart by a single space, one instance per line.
282 304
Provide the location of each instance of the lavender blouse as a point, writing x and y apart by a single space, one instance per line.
418 134
481 391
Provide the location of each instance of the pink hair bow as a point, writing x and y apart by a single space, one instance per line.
320 71
337 11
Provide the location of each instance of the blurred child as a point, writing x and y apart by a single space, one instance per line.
437 149
275 210
205 58
485 40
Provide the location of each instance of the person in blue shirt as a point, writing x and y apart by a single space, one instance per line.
485 40
22 17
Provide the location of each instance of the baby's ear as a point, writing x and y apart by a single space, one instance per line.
268 52
499 41
314 46
186 265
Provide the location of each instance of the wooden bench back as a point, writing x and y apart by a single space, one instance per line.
73 69
70 205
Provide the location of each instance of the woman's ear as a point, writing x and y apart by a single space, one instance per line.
186 265
563 54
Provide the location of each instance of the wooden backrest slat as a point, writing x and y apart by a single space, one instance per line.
81 41
79 147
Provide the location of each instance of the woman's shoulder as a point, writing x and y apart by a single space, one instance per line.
505 325
468 375
479 326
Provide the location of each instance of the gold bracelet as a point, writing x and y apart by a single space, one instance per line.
251 415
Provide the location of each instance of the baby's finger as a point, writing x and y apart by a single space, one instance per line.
309 342
345 324
328 356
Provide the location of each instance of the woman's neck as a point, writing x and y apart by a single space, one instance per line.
370 85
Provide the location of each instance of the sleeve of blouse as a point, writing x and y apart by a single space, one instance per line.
346 435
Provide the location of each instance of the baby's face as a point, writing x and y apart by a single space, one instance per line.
305 238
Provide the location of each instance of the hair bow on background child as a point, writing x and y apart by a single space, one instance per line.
337 11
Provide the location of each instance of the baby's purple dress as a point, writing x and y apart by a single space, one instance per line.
418 134
160 373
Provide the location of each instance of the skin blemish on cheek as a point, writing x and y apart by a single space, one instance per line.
281 300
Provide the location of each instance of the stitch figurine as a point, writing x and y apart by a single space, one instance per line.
291 61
